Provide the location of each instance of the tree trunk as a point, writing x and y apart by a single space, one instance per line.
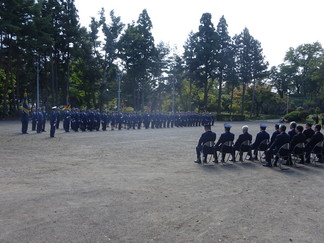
243 99
219 101
232 98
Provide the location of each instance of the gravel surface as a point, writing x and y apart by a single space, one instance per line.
142 186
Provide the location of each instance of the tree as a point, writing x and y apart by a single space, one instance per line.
200 55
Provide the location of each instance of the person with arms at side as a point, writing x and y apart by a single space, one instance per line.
207 136
53 119
274 134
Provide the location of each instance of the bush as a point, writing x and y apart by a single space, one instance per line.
298 115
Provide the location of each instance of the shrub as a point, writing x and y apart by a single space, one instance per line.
298 115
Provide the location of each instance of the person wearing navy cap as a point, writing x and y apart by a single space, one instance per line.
226 136
261 136
207 136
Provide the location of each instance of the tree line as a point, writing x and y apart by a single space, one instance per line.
44 47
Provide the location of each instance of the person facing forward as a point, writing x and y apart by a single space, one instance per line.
225 137
207 136
245 136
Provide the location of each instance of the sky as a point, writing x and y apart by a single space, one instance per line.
277 24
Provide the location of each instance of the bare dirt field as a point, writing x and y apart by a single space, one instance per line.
142 186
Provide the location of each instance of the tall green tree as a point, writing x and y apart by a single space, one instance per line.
201 55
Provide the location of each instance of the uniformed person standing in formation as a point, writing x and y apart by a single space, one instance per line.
44 118
39 120
53 119
24 116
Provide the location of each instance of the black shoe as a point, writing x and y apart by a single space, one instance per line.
267 164
241 159
215 161
205 161
198 161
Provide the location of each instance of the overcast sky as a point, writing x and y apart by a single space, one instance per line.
277 24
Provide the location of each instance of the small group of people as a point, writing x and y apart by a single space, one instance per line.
297 135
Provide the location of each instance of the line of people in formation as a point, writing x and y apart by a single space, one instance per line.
92 120
309 137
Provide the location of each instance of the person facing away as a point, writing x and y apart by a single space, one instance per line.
316 138
298 138
207 136
292 132
308 131
245 136
261 136
227 136
274 134
281 139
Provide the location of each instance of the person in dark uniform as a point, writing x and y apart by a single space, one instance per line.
24 115
58 117
225 137
39 120
207 136
298 138
274 134
53 120
280 140
44 118
245 136
261 136
33 115
292 132
308 132
66 120
317 137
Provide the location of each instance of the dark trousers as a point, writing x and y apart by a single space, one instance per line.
24 126
39 127
52 132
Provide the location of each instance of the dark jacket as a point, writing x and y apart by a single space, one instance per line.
263 135
207 136
280 140
227 136
243 137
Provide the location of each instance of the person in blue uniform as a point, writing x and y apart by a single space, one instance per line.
207 136
39 120
317 137
44 118
280 140
274 134
292 131
66 120
245 136
225 137
261 136
33 116
53 119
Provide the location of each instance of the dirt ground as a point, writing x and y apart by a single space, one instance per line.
142 186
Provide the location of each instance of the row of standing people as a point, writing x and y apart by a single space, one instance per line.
297 134
93 120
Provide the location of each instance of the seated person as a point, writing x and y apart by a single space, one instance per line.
298 138
245 136
261 136
308 131
281 139
317 137
293 131
207 136
274 134
225 137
